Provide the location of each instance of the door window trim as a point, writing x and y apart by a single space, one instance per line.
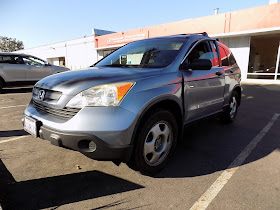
190 50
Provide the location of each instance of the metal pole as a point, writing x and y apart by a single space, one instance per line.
277 62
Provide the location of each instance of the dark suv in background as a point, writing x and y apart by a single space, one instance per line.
132 105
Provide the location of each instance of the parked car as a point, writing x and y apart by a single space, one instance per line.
16 67
133 104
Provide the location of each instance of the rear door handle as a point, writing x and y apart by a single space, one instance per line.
218 73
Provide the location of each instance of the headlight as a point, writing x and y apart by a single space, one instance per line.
102 95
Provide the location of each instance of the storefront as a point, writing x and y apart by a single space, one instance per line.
264 57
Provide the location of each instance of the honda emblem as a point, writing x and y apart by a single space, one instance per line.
41 95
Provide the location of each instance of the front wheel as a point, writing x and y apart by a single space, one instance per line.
156 142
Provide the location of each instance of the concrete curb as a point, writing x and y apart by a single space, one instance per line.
261 82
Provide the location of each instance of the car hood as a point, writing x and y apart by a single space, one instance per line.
73 82
60 68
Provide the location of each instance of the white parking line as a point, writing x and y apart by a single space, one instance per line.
12 139
204 201
7 107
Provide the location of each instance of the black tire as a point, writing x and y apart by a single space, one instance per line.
230 113
1 85
158 134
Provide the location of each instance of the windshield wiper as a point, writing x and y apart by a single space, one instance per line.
121 65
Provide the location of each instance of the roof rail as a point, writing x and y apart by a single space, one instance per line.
202 33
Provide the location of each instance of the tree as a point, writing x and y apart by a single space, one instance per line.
9 44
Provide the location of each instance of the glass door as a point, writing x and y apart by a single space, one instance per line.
264 57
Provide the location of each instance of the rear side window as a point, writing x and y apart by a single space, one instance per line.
223 56
232 60
227 57
11 59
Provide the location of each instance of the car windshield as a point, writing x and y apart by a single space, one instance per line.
149 53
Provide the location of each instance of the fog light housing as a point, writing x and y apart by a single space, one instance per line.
92 146
87 146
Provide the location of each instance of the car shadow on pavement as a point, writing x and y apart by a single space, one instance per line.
59 190
13 133
214 149
17 90
209 145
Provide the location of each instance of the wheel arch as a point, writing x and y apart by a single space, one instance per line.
167 103
2 80
238 90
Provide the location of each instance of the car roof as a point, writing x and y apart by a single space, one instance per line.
12 53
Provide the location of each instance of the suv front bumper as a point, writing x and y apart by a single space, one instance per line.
101 133
87 144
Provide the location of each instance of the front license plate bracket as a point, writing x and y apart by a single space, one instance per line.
32 126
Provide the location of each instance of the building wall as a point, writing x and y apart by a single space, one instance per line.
240 47
267 16
78 53
233 28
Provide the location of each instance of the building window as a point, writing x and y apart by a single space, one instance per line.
263 57
57 61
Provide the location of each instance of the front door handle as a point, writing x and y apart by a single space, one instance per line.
218 73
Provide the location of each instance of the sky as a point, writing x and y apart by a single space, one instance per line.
41 22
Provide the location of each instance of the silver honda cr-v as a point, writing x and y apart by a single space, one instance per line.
132 105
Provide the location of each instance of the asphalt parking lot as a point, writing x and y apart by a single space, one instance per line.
37 175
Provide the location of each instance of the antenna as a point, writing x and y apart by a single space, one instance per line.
216 10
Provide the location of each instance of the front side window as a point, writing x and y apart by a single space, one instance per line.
204 51
150 53
215 60
33 61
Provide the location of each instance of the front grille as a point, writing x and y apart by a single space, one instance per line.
65 113
50 95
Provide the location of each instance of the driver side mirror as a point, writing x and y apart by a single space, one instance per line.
47 64
197 64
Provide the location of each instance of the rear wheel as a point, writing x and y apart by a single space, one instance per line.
231 112
155 143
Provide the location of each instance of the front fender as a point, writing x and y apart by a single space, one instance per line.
146 99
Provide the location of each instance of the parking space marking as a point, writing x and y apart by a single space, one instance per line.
204 201
12 139
7 107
